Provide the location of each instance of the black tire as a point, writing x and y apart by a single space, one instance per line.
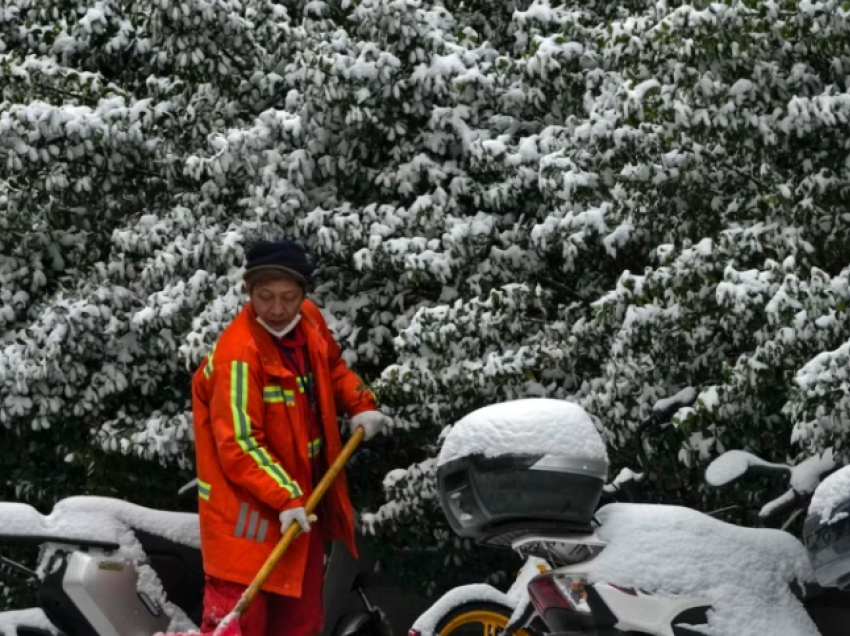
360 623
27 630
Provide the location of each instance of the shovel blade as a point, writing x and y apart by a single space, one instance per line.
229 626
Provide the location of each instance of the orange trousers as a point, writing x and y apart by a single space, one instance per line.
272 614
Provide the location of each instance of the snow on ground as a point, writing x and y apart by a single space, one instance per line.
33 617
675 551
832 493
528 426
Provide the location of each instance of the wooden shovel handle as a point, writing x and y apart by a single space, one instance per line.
294 529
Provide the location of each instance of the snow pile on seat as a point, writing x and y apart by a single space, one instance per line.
673 551
180 527
528 426
833 491
33 617
21 520
98 519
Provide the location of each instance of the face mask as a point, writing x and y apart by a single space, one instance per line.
282 332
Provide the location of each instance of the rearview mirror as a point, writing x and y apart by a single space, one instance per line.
666 407
734 464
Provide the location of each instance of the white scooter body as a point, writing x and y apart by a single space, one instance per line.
632 610
635 611
603 608
645 613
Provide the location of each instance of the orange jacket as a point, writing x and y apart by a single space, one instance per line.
253 455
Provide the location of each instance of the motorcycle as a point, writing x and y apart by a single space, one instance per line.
583 598
107 567
544 544
563 587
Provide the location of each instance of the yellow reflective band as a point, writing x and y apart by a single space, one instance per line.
242 430
272 394
301 382
208 367
204 490
314 447
289 397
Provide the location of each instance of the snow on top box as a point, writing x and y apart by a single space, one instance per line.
533 463
535 426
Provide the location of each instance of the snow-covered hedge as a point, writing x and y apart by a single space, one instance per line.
606 201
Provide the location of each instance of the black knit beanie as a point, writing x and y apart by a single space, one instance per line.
285 256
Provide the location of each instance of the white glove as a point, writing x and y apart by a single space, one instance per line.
299 515
373 422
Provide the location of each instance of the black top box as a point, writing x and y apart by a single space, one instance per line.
519 466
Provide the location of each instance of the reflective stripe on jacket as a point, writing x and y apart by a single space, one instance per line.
253 449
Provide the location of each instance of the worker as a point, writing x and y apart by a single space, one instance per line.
264 404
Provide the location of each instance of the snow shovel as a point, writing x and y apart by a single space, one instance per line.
230 625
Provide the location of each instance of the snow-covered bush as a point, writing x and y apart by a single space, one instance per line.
685 224
596 200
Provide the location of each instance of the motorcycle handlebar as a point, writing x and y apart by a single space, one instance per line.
667 407
733 465
788 503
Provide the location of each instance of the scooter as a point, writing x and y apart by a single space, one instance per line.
107 567
573 602
544 545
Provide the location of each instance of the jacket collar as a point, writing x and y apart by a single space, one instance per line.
266 349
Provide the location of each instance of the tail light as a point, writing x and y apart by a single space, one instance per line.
553 590
414 632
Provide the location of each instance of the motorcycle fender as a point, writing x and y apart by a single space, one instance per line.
351 623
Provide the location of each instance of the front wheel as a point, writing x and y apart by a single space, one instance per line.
483 618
